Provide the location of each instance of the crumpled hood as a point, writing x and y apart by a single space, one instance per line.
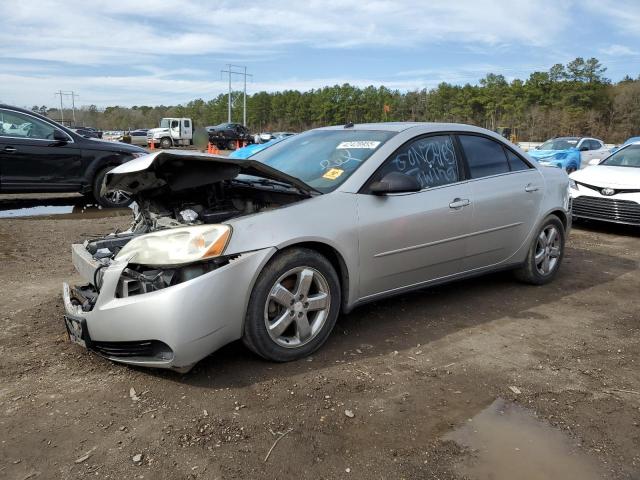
606 176
545 154
180 169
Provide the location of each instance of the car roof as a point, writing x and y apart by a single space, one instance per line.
23 110
402 126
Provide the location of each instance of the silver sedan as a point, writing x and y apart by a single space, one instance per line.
272 249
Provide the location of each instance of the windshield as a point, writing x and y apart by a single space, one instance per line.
625 157
323 159
164 123
559 144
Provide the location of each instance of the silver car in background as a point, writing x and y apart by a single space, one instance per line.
272 249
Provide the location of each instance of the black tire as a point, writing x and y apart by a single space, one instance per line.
256 335
165 143
571 169
532 271
108 200
231 145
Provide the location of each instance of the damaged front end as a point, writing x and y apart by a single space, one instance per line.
125 310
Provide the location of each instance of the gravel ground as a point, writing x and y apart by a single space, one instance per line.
380 400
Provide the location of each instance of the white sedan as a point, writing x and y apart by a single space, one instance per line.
609 190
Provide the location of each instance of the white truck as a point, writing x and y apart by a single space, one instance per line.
173 132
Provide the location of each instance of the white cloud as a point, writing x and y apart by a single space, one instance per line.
119 52
117 32
624 15
618 50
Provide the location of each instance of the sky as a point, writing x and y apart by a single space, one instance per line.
153 52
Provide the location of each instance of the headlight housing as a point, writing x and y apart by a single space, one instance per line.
572 184
177 246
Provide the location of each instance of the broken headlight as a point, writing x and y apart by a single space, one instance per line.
177 246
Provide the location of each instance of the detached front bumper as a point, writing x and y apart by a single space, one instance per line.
174 327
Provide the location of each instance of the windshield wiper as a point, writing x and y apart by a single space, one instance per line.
270 182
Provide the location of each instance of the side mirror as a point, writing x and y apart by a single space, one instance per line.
395 182
59 136
594 161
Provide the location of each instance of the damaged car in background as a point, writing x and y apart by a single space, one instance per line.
270 250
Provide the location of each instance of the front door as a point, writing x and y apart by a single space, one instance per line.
31 160
409 239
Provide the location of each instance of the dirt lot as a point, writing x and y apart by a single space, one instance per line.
409 372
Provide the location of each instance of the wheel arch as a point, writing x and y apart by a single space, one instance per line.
562 215
335 258
108 159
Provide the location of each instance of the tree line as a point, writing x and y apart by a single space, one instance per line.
572 99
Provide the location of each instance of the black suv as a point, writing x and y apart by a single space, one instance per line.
225 135
40 155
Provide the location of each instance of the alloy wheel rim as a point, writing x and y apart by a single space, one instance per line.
117 197
297 307
548 250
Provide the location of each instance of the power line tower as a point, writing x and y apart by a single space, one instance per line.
235 70
73 96
59 92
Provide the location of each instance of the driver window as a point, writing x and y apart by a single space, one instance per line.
174 124
431 160
18 125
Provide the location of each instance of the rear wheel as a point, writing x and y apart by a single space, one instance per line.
545 254
113 199
231 145
293 307
571 169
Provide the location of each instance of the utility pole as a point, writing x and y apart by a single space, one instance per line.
59 92
73 105
244 74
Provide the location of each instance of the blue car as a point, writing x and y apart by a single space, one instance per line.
570 153
626 142
249 150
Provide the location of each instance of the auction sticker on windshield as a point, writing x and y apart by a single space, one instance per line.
368 144
333 173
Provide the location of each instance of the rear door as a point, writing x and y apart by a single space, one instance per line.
410 238
30 160
507 193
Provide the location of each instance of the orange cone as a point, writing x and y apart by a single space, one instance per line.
152 145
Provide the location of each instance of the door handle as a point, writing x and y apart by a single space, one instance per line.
9 149
530 188
459 203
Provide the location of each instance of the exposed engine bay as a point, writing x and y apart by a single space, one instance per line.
180 189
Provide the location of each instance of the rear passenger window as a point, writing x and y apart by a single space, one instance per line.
485 157
515 162
431 160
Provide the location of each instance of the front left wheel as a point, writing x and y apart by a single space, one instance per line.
293 307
